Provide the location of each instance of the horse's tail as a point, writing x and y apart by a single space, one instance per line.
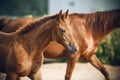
4 22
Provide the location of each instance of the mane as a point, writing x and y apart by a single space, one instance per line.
102 21
99 21
33 24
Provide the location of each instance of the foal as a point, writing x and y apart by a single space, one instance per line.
21 52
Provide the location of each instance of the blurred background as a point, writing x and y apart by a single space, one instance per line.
109 50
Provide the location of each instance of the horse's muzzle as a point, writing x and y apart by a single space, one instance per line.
73 48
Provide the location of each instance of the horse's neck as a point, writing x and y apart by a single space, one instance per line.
37 38
99 24
105 23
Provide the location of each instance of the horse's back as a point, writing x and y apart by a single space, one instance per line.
4 21
16 23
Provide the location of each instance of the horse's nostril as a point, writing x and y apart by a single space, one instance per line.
73 49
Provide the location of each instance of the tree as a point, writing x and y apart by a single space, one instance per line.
23 7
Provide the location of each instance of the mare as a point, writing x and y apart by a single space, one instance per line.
88 30
21 52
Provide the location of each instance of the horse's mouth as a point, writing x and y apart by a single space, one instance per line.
72 48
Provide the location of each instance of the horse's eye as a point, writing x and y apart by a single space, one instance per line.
62 30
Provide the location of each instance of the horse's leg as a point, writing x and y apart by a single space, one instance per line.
35 72
70 66
36 76
11 76
96 63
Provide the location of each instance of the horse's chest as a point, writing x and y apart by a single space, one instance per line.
19 62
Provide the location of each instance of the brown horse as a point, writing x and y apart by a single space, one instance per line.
88 30
21 51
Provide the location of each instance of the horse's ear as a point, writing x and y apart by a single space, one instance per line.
60 14
65 15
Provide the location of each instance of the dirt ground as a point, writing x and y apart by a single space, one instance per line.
82 71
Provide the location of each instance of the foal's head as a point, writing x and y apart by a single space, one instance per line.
62 32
